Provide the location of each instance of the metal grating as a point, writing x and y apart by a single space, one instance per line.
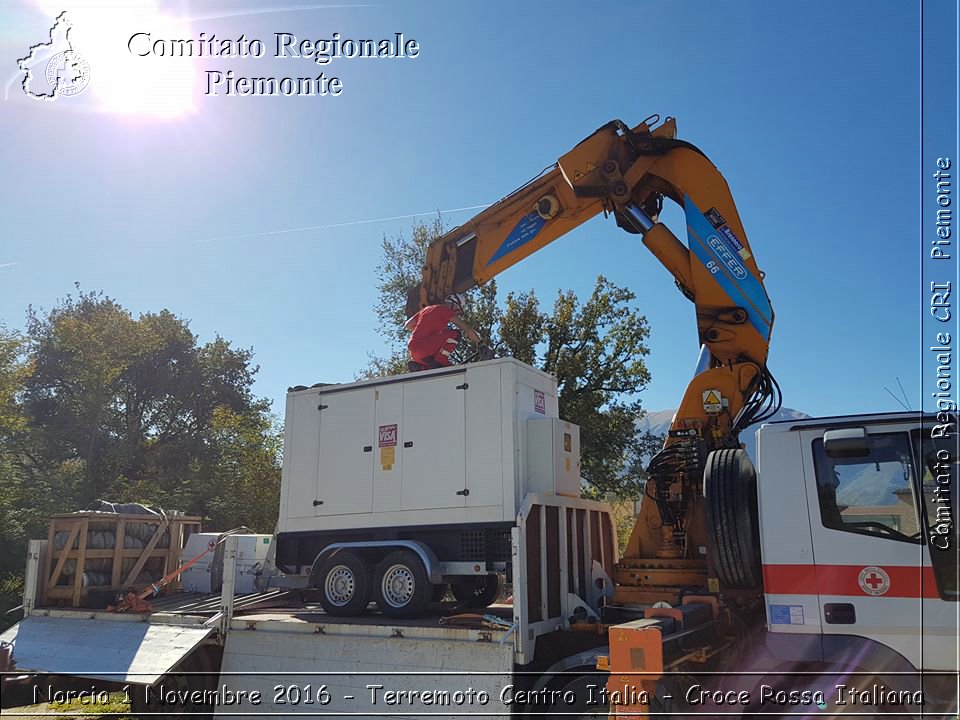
473 545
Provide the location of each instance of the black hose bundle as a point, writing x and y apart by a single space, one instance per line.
764 402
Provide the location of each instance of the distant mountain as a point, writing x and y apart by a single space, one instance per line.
871 484
659 422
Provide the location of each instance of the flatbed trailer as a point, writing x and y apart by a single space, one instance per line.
275 652
274 659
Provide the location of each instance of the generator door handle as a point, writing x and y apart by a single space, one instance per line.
409 443
368 448
464 492
317 502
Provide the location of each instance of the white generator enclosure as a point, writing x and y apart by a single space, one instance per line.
458 445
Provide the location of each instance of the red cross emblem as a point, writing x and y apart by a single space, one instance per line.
874 580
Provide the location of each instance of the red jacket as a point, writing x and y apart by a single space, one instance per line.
431 320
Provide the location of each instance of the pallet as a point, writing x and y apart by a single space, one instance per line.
79 525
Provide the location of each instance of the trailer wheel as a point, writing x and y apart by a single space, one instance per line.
344 582
730 491
401 586
476 592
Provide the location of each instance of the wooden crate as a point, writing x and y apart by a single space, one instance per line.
79 525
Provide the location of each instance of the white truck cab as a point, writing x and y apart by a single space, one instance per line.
858 538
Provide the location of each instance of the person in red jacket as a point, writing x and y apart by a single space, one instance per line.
433 340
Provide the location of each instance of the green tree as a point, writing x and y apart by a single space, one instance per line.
97 403
135 409
595 348
17 523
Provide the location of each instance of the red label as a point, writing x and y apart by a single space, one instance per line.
388 435
539 402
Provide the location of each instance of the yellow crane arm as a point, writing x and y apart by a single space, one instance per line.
627 172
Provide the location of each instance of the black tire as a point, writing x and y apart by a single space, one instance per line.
476 592
730 492
344 584
401 587
145 704
575 696
830 683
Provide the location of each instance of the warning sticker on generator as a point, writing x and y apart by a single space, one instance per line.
388 436
388 456
539 402
786 614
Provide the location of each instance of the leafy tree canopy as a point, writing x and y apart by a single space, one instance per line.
96 403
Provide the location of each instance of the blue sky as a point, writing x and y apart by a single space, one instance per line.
811 110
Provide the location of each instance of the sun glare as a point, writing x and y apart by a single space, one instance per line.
120 81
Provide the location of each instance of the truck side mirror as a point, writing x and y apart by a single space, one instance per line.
846 442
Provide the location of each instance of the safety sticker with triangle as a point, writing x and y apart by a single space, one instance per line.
580 173
712 401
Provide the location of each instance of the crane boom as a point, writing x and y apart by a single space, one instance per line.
627 172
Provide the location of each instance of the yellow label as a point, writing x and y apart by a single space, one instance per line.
388 455
713 585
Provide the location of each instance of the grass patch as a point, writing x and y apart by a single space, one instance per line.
95 707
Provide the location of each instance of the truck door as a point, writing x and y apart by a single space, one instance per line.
867 541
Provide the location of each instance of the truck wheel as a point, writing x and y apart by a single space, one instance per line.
730 491
344 581
401 586
576 696
476 592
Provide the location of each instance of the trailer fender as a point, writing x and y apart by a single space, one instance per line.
380 548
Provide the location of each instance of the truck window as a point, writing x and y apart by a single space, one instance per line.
872 494
938 463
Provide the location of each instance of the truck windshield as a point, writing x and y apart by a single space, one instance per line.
938 461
